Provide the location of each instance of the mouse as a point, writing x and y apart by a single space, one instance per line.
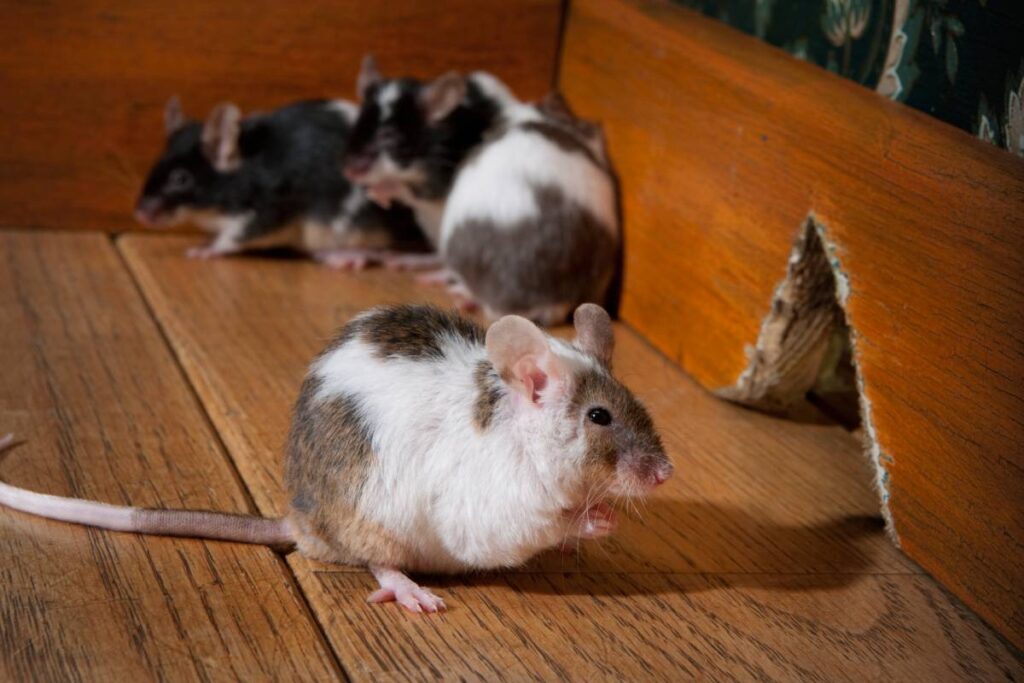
421 442
272 180
521 204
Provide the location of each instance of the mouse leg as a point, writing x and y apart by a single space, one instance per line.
346 259
441 276
398 261
397 587
464 299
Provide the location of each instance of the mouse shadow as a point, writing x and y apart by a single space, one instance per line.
662 553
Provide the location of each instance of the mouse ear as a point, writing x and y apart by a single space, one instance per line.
368 76
594 334
174 117
439 97
555 105
220 137
521 354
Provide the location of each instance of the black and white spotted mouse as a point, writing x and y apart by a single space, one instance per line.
518 198
421 443
272 180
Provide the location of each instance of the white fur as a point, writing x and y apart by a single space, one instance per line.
494 89
461 498
386 99
348 110
498 184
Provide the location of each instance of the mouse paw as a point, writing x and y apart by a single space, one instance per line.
464 299
397 587
345 259
596 521
411 262
441 276
205 252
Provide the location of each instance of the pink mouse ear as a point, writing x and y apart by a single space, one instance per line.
220 137
442 95
522 356
369 76
174 117
594 334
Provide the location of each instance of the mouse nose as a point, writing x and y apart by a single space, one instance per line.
357 168
662 473
147 209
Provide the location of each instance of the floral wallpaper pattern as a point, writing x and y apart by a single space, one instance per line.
961 61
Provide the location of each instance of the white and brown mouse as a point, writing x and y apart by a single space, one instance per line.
272 179
420 443
519 199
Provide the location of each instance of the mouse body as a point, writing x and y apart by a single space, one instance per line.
271 179
420 442
524 214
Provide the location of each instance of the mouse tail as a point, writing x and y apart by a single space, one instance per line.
276 533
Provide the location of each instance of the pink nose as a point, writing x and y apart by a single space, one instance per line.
661 474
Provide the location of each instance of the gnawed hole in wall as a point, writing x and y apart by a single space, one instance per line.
804 359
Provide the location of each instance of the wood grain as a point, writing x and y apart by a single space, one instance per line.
725 145
765 548
105 413
86 82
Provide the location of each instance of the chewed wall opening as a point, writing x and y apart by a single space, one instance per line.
804 361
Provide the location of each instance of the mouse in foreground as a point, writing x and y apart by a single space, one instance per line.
421 443
272 180
519 199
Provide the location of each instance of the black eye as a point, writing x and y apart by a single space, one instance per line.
600 416
180 180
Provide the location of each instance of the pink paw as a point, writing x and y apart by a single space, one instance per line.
441 276
383 193
204 253
353 260
411 262
414 599
397 587
597 521
464 300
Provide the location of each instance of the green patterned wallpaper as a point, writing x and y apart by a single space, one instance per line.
961 61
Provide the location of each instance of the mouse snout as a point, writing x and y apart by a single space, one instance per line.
357 168
661 473
642 473
147 210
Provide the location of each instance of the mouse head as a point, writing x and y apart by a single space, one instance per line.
602 435
191 173
409 131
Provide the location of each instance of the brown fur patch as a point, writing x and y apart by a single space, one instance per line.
489 392
566 257
415 331
564 137
328 459
631 429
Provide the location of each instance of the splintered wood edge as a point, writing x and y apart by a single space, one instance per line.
794 349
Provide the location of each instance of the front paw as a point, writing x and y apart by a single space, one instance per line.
383 193
205 252
596 521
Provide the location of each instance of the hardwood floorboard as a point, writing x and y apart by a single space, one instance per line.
763 559
104 412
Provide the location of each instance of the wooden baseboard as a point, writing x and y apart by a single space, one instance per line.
85 83
726 148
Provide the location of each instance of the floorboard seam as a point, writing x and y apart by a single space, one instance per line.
289 573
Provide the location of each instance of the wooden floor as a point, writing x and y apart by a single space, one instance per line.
137 376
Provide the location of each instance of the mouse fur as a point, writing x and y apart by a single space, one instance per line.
421 442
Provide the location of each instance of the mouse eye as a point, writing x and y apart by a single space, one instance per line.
600 416
180 180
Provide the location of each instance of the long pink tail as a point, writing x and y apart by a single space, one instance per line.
276 533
